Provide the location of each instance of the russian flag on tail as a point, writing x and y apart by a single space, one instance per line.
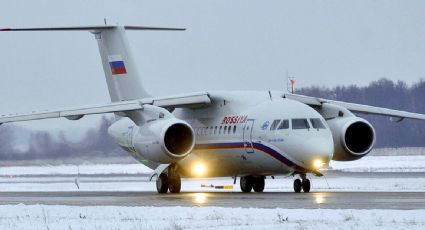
117 64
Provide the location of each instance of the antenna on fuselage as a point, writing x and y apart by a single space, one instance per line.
290 83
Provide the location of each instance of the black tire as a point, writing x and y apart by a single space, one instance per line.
162 183
246 183
175 184
297 185
306 185
259 184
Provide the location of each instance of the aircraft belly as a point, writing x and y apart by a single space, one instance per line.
231 162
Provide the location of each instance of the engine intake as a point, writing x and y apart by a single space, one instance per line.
178 139
353 137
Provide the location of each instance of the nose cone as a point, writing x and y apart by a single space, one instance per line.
315 153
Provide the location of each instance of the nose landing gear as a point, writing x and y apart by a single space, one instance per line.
303 184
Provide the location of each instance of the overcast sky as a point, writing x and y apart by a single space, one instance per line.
229 45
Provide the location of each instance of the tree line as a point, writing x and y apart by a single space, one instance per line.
384 93
43 145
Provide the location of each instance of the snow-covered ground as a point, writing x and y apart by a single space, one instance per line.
279 184
112 217
90 169
415 163
382 164
132 177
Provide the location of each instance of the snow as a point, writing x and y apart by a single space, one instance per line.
115 217
415 163
132 177
97 169
279 184
382 164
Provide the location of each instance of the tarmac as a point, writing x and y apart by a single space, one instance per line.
287 200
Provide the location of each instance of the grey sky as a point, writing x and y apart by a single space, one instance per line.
229 45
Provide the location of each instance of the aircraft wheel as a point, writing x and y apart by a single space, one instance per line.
297 185
175 184
162 183
246 183
306 185
259 184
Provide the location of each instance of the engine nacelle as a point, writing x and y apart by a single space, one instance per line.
164 140
353 137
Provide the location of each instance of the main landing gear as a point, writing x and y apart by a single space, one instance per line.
250 182
169 182
303 184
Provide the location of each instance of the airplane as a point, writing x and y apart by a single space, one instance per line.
247 134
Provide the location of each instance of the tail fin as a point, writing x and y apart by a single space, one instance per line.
124 82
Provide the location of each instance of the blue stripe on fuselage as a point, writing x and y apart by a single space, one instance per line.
240 145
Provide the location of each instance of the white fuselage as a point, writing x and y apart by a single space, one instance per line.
234 136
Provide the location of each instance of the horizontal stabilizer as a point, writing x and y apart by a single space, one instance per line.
91 28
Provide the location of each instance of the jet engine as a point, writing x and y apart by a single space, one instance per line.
164 141
353 137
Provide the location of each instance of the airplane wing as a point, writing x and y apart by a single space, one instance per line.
181 101
395 115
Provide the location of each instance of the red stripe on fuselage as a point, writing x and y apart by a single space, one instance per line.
257 146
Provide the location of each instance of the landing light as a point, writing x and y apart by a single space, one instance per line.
199 169
318 164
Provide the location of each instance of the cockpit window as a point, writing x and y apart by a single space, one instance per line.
300 124
274 124
284 124
317 123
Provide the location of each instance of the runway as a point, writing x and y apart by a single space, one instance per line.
325 200
337 190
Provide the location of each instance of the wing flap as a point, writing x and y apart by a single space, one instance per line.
110 108
190 101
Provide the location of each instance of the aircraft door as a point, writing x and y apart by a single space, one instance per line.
247 136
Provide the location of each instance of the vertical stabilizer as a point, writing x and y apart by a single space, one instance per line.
124 82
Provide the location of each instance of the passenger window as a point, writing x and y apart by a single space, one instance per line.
219 131
284 124
234 129
230 129
215 130
317 123
274 124
225 130
300 124
211 130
